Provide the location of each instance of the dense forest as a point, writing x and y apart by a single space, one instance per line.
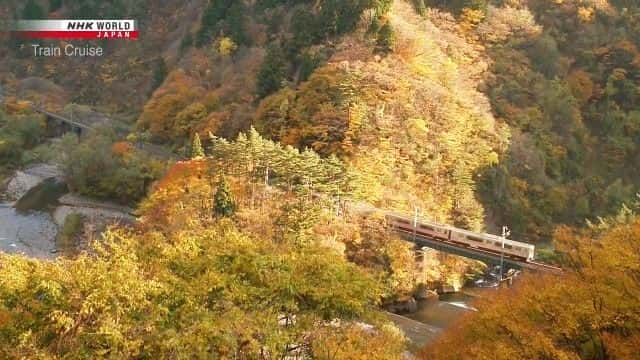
473 113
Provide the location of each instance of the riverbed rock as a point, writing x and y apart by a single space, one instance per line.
424 293
20 184
446 289
403 305
93 215
23 180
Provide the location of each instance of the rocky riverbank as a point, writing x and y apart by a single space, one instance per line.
33 231
26 179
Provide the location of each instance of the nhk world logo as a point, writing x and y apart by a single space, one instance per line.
76 29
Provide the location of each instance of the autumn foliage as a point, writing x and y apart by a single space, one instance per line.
590 312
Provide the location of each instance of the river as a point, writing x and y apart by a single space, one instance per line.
32 234
27 227
436 315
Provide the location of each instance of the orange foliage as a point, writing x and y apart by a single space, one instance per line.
591 312
13 106
581 85
182 172
160 114
122 148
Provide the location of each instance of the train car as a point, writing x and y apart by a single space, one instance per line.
431 230
494 244
485 242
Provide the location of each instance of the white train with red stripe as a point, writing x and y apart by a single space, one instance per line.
480 241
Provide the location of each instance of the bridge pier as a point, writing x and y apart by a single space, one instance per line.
57 128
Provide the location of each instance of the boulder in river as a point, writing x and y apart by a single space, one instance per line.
26 179
403 305
424 293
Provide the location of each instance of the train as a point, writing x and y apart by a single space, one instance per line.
485 242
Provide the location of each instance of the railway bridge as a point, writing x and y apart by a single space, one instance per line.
59 125
489 257
410 229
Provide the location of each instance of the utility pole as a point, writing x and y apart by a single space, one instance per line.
505 233
415 222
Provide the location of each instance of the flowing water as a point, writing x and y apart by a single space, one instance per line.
435 316
448 308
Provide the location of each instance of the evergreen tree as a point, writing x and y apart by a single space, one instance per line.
420 7
224 204
235 23
55 5
196 148
272 72
159 73
32 10
385 39
187 41
297 220
215 11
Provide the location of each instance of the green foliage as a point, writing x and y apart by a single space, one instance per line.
563 87
159 73
196 148
420 6
17 134
224 204
545 55
303 30
33 11
54 5
266 161
72 227
186 42
272 72
385 39
93 168
457 5
112 9
298 219
235 23
226 15
307 65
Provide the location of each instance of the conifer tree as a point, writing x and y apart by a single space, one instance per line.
420 7
32 11
159 73
224 203
54 5
385 39
272 72
197 151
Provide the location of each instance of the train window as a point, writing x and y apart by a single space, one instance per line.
426 227
508 246
473 238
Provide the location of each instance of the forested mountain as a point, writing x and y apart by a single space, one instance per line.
474 113
534 99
